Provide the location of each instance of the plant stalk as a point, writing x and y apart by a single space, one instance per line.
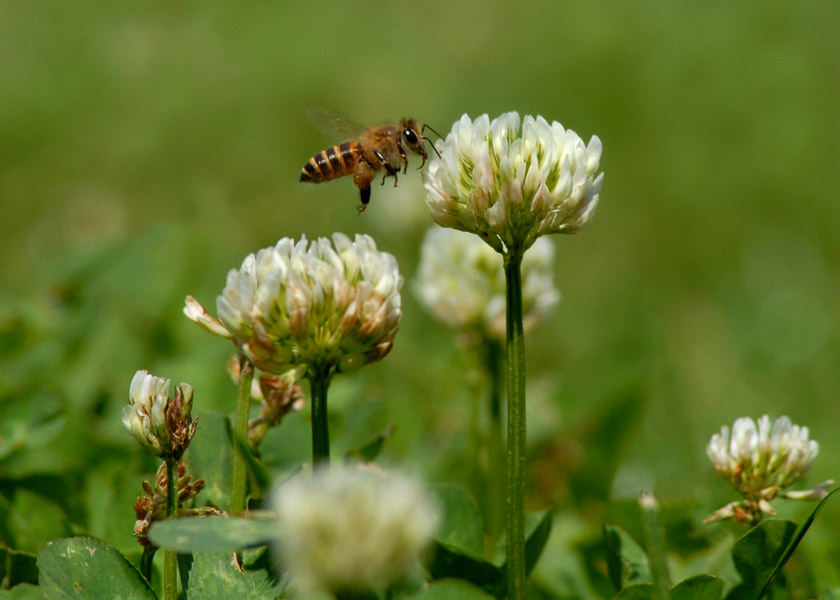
515 514
170 557
239 481
319 383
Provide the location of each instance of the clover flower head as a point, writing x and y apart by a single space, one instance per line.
352 530
761 459
461 281
511 184
156 420
299 304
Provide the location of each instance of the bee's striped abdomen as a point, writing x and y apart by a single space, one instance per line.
335 161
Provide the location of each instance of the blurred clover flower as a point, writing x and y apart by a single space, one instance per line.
314 305
350 532
510 185
462 283
160 423
760 460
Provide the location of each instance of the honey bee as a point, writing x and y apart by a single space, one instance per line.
368 151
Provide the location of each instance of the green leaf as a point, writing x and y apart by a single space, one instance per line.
17 567
451 562
214 577
452 590
640 591
210 456
368 451
699 587
627 563
536 541
85 568
24 591
35 519
461 526
211 534
757 553
800 533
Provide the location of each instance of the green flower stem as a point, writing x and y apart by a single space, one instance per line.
656 546
495 445
319 383
170 557
515 517
240 431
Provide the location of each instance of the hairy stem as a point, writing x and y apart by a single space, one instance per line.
515 514
170 557
319 383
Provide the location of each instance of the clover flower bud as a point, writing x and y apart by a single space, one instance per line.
159 422
350 531
760 460
321 304
151 507
461 281
511 184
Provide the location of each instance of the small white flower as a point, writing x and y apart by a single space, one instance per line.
511 185
161 423
461 281
349 530
318 305
760 460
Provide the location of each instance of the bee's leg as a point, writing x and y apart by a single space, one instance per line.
403 157
391 171
362 177
364 193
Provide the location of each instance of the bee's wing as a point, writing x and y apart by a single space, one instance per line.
334 124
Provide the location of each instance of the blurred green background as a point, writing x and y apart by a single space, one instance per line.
146 148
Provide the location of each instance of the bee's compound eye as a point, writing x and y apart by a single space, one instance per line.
409 135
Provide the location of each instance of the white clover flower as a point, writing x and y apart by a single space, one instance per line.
461 281
352 530
317 304
511 185
760 460
161 423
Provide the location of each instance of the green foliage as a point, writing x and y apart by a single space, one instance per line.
461 527
757 554
209 455
17 568
626 560
25 591
452 590
85 568
211 534
450 561
214 577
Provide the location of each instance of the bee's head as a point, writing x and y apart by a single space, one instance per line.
413 138
412 135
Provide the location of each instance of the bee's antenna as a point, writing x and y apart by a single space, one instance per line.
429 127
